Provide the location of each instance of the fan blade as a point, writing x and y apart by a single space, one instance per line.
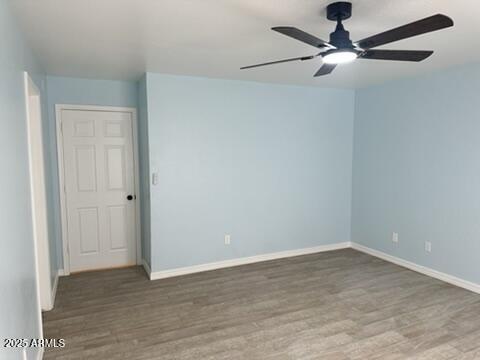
399 55
300 35
432 23
325 69
303 58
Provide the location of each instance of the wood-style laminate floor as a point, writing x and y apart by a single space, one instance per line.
335 305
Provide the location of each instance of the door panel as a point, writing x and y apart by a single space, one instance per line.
114 128
84 128
117 216
99 175
86 168
116 171
88 231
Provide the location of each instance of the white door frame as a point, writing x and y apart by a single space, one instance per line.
38 196
61 175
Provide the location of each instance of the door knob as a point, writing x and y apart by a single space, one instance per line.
130 197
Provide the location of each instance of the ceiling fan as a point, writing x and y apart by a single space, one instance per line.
340 49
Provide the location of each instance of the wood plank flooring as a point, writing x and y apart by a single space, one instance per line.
336 305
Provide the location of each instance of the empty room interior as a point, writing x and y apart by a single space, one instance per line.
239 179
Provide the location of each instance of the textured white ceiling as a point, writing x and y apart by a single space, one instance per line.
121 39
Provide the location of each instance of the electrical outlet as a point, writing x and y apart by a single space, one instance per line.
227 239
428 246
395 237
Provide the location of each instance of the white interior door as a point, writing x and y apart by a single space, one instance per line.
99 187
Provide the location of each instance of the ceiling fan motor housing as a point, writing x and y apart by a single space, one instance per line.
340 38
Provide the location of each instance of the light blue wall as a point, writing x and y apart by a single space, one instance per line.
63 90
143 144
268 164
18 297
417 170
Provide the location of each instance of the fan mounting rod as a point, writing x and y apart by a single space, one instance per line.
338 12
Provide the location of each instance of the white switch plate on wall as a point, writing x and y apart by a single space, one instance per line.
227 239
428 246
395 237
154 178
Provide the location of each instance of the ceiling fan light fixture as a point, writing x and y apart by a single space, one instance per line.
341 49
339 56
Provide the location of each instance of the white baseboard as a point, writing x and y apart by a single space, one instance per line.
241 261
156 275
60 272
147 269
54 290
419 268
